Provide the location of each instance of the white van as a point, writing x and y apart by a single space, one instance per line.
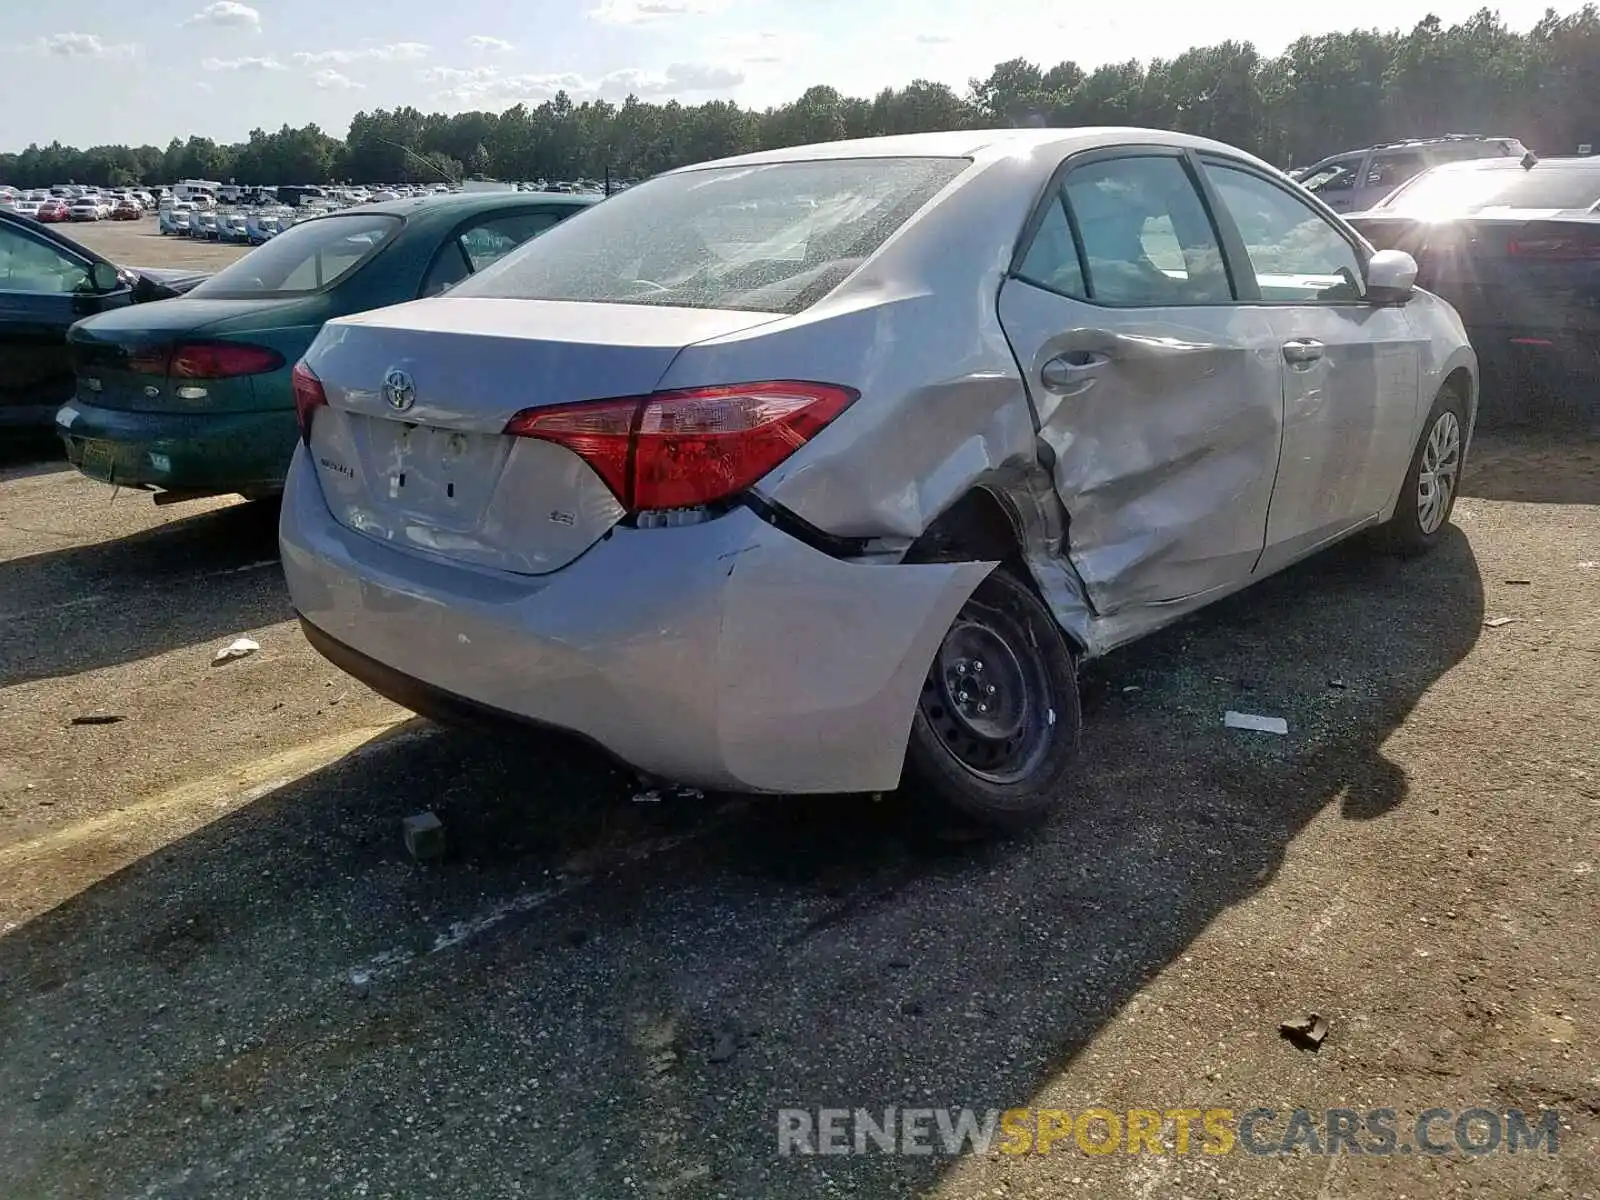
194 189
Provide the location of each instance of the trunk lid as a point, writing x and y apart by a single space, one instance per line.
434 471
1529 269
118 355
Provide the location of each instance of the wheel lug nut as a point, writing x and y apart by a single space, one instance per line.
983 708
989 690
978 666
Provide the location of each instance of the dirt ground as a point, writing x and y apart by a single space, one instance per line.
221 974
141 244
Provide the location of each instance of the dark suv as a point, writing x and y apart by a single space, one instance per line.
1357 179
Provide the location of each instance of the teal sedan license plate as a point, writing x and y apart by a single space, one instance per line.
99 460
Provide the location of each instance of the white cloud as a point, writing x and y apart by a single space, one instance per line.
642 12
934 39
676 79
485 85
474 86
83 45
228 14
330 80
202 86
455 76
242 64
394 52
489 45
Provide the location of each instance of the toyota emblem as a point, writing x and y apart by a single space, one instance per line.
399 390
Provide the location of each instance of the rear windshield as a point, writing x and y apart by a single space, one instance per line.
775 237
307 258
1466 190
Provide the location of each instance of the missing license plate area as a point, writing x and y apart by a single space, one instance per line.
432 462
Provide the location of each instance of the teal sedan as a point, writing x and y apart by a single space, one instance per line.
192 397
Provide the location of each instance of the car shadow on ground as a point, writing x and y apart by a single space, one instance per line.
183 582
592 995
1533 468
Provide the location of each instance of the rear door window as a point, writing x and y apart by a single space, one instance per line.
1145 234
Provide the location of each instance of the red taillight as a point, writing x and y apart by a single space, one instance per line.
1557 247
149 361
687 448
203 360
221 360
308 397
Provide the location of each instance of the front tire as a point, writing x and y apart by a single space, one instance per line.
1428 495
995 737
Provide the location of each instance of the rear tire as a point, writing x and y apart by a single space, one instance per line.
995 737
1428 495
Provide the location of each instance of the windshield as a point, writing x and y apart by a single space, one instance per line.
311 256
1467 190
775 237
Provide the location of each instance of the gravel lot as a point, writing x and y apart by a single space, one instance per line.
140 244
221 974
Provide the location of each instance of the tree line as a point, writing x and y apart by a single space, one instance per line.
1323 94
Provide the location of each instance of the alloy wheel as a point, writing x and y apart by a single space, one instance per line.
1438 472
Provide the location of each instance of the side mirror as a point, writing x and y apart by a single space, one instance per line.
1391 277
104 277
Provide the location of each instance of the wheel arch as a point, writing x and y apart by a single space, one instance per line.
1014 518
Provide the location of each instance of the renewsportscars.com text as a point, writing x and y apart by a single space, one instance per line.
1471 1132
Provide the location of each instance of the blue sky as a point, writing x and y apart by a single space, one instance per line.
96 71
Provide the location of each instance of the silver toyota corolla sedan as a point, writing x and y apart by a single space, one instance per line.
820 469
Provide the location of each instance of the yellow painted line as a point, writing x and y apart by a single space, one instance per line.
60 864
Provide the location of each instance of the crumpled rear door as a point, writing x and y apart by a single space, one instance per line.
1165 425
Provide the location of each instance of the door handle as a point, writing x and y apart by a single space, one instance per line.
1302 352
1071 371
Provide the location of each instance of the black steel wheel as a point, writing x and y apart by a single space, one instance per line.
996 730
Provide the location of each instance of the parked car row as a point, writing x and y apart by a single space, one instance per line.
861 447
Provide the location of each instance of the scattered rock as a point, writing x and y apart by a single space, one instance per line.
98 719
724 1044
424 836
1308 1033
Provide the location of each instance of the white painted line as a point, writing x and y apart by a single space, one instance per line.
387 963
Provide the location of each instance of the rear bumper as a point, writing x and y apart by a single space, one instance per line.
179 451
1538 377
725 655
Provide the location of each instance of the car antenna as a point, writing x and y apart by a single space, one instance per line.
1529 160
432 166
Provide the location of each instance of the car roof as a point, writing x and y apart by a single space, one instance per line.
468 202
977 144
1569 162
